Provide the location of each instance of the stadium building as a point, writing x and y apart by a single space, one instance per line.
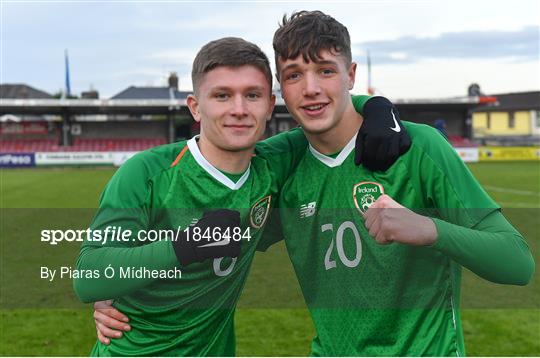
89 130
513 120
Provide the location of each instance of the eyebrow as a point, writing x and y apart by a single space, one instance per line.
323 62
255 88
226 88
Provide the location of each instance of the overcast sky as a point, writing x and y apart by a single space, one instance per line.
418 48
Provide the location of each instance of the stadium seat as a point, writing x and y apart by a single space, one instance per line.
460 142
81 145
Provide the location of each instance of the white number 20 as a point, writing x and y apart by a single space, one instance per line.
328 262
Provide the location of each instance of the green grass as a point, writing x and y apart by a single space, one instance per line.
53 187
38 318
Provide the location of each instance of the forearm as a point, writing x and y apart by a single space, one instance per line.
155 256
493 249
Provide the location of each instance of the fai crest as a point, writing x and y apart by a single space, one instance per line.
365 194
259 212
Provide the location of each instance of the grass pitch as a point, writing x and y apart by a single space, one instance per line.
38 318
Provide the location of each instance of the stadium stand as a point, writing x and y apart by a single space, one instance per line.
81 145
461 142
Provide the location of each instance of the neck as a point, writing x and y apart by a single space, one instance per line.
228 161
335 139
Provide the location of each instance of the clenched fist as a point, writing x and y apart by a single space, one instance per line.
388 221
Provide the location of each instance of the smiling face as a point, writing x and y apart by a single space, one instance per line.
232 104
317 93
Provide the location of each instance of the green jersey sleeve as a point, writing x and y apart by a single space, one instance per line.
124 205
446 183
359 102
273 233
471 229
484 247
283 153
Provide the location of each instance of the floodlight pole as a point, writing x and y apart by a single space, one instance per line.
66 139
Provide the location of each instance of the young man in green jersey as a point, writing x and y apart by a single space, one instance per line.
212 180
174 185
367 297
378 254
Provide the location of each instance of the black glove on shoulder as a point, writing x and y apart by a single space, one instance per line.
382 138
188 250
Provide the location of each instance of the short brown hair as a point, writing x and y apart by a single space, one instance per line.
228 51
307 33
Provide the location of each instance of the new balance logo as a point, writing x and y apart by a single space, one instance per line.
307 210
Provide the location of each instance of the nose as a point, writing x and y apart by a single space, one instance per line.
311 85
239 107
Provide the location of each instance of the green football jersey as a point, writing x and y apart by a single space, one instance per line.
162 189
372 299
165 188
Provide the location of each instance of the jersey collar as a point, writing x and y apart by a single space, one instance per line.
213 171
337 161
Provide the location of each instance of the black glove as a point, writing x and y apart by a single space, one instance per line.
188 250
382 138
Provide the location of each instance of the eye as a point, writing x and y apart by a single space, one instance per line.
328 71
221 96
292 76
253 95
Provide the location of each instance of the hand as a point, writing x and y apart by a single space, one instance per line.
109 321
382 138
189 251
388 221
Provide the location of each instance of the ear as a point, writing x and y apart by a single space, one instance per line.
352 75
272 105
193 105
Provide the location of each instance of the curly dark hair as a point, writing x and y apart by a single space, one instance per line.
307 33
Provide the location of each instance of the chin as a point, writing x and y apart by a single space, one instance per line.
316 129
239 146
316 125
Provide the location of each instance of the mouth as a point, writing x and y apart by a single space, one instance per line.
314 109
238 127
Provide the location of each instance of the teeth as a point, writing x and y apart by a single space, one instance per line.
315 107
